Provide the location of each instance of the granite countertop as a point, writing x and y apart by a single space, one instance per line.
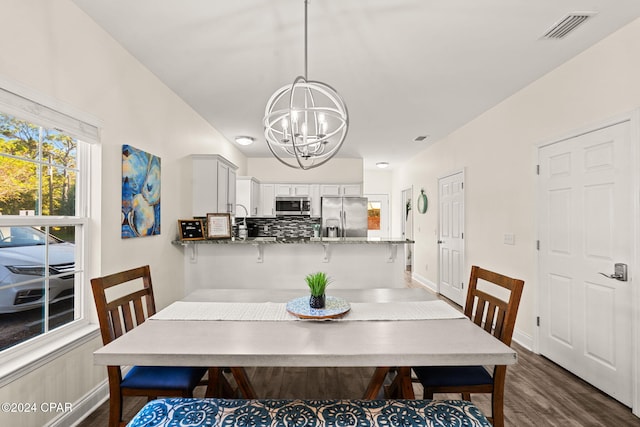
297 240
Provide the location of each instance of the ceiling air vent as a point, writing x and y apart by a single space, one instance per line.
420 138
567 24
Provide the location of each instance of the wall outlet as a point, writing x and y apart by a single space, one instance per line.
509 239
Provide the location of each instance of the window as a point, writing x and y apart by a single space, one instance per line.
43 220
373 211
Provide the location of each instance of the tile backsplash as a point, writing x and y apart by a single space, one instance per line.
281 227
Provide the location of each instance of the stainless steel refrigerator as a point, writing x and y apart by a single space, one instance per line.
344 217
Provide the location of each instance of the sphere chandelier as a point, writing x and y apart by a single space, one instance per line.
305 123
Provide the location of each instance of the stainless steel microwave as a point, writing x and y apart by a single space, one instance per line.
293 206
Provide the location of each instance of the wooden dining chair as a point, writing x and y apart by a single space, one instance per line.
121 314
496 316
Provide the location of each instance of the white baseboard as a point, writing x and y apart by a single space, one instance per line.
83 407
425 282
523 339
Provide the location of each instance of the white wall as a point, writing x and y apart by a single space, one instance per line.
54 49
377 182
497 152
336 171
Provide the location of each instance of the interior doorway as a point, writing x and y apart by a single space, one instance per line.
451 277
587 217
378 215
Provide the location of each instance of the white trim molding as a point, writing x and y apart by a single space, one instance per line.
425 282
82 408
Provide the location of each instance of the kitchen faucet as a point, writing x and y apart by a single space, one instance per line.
242 229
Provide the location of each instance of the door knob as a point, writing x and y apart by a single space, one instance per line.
619 272
440 242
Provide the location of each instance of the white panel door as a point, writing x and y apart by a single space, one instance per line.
586 226
451 237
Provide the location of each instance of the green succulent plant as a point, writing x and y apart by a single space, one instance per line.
317 283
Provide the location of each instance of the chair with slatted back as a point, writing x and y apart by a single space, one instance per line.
119 316
498 317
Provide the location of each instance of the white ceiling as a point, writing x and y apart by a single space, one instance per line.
404 67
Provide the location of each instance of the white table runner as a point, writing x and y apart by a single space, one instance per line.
269 311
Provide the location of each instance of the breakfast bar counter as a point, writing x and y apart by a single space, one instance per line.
351 262
297 241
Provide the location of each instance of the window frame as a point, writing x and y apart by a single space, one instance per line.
22 103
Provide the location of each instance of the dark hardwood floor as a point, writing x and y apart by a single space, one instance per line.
538 393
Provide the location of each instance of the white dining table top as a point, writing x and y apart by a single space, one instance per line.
306 343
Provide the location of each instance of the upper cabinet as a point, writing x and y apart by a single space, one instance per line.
213 185
351 190
227 187
268 199
292 189
340 190
329 190
259 198
314 194
248 195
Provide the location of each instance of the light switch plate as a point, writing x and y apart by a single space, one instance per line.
509 239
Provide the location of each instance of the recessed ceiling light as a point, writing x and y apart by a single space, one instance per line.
245 140
382 165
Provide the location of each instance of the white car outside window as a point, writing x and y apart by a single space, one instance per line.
23 270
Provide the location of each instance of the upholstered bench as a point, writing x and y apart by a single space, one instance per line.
307 413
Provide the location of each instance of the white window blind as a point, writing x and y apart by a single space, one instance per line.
57 118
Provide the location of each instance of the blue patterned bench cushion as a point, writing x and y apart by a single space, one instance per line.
307 413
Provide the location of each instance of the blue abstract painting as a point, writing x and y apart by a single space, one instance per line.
140 193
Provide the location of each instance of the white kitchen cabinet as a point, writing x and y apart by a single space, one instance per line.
248 195
283 189
314 195
226 188
329 190
213 185
268 199
351 190
292 189
301 190
269 192
340 190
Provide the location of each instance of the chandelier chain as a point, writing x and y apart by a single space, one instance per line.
305 123
306 43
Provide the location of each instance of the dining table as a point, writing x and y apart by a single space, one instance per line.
377 327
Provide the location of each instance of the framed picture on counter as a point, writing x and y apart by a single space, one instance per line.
190 229
218 226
